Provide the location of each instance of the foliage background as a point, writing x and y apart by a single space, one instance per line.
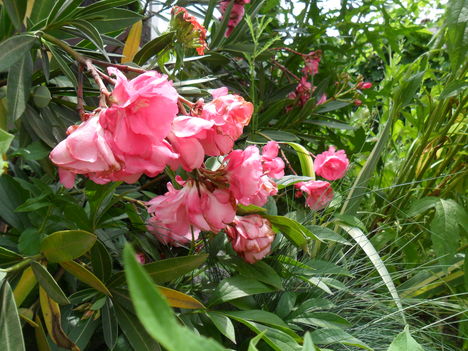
405 194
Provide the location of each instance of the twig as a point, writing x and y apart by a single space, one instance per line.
79 94
105 95
123 68
284 69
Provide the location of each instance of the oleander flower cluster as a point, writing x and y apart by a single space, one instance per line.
236 14
331 165
147 128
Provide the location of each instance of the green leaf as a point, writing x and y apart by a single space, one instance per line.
16 10
153 48
155 314
62 62
81 273
49 284
404 342
332 106
236 287
13 49
294 231
115 20
323 320
7 257
67 245
34 151
90 33
109 324
309 343
100 8
11 335
453 89
5 141
29 242
134 330
12 195
307 164
291 180
420 206
445 229
326 234
101 261
41 10
260 316
337 336
61 10
19 87
166 270
277 135
254 341
260 271
223 324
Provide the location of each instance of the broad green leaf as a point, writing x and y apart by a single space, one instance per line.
237 286
61 10
153 47
134 330
49 284
155 314
26 283
41 10
260 316
223 324
420 206
277 135
260 271
67 245
81 273
453 89
16 10
337 336
166 270
5 141
34 151
19 87
101 261
11 335
109 324
254 341
179 299
99 8
404 342
115 19
88 31
294 231
305 158
132 44
446 229
309 343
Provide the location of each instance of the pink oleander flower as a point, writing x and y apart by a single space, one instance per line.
319 193
237 13
140 118
140 257
273 166
331 164
249 173
179 215
322 99
251 237
185 139
364 85
84 151
312 61
230 114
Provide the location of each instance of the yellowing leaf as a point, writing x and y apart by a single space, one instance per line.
133 42
178 299
24 286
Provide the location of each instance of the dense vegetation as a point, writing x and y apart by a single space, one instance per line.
381 266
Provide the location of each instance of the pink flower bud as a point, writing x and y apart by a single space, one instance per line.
251 237
319 193
140 257
357 102
331 164
364 85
